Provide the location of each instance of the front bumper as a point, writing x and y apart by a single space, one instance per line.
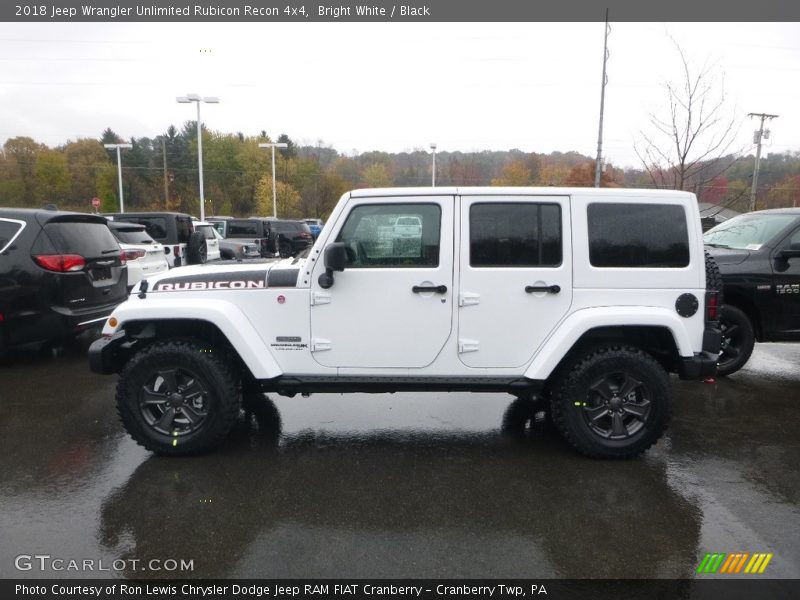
699 366
106 353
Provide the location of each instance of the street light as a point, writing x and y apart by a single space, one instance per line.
433 171
274 191
119 169
196 98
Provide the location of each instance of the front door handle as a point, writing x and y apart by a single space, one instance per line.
438 289
550 289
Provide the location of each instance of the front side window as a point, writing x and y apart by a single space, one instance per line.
393 235
638 235
515 234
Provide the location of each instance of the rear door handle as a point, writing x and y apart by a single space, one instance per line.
550 289
438 289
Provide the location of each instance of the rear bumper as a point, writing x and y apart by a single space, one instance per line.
699 366
76 320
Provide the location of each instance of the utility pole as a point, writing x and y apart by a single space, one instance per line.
757 137
598 167
166 181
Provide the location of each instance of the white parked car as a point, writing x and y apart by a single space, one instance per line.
582 299
143 254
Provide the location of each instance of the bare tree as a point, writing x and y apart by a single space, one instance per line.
691 145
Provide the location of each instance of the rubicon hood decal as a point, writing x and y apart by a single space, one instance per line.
237 280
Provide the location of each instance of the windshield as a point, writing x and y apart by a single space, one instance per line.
747 232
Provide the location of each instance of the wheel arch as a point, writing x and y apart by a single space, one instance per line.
213 321
749 308
658 332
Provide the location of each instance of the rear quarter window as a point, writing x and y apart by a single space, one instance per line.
8 231
638 235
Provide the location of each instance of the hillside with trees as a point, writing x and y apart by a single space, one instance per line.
161 174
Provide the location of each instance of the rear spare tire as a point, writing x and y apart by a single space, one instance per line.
196 249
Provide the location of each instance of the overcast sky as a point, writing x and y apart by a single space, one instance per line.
388 86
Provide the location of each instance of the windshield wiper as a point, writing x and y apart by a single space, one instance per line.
717 245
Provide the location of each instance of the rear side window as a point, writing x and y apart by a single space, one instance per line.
240 229
8 231
132 236
208 231
515 235
90 240
156 227
184 226
638 235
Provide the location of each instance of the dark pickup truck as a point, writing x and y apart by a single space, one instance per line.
758 255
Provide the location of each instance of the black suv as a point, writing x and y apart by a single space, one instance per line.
175 231
759 256
293 236
60 273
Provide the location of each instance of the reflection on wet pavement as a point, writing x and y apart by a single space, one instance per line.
403 485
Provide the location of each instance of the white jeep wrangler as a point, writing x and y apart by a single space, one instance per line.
585 298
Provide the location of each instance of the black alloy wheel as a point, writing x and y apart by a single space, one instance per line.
174 402
617 406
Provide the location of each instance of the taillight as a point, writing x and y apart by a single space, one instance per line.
132 255
712 306
60 263
176 250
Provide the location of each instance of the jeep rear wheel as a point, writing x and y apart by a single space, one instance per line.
178 397
738 339
612 402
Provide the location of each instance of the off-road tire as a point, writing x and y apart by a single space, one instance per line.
738 336
215 374
571 395
197 249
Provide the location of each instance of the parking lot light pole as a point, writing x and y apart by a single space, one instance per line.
274 145
433 169
119 169
196 98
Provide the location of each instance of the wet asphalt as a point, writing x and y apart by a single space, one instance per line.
404 485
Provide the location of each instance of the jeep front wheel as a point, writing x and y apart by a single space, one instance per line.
178 397
612 402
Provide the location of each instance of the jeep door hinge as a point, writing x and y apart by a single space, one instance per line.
465 345
320 345
320 298
468 299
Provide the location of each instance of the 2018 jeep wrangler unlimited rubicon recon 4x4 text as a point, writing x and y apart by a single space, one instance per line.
584 297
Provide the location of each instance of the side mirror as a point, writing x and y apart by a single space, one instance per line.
787 253
335 260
